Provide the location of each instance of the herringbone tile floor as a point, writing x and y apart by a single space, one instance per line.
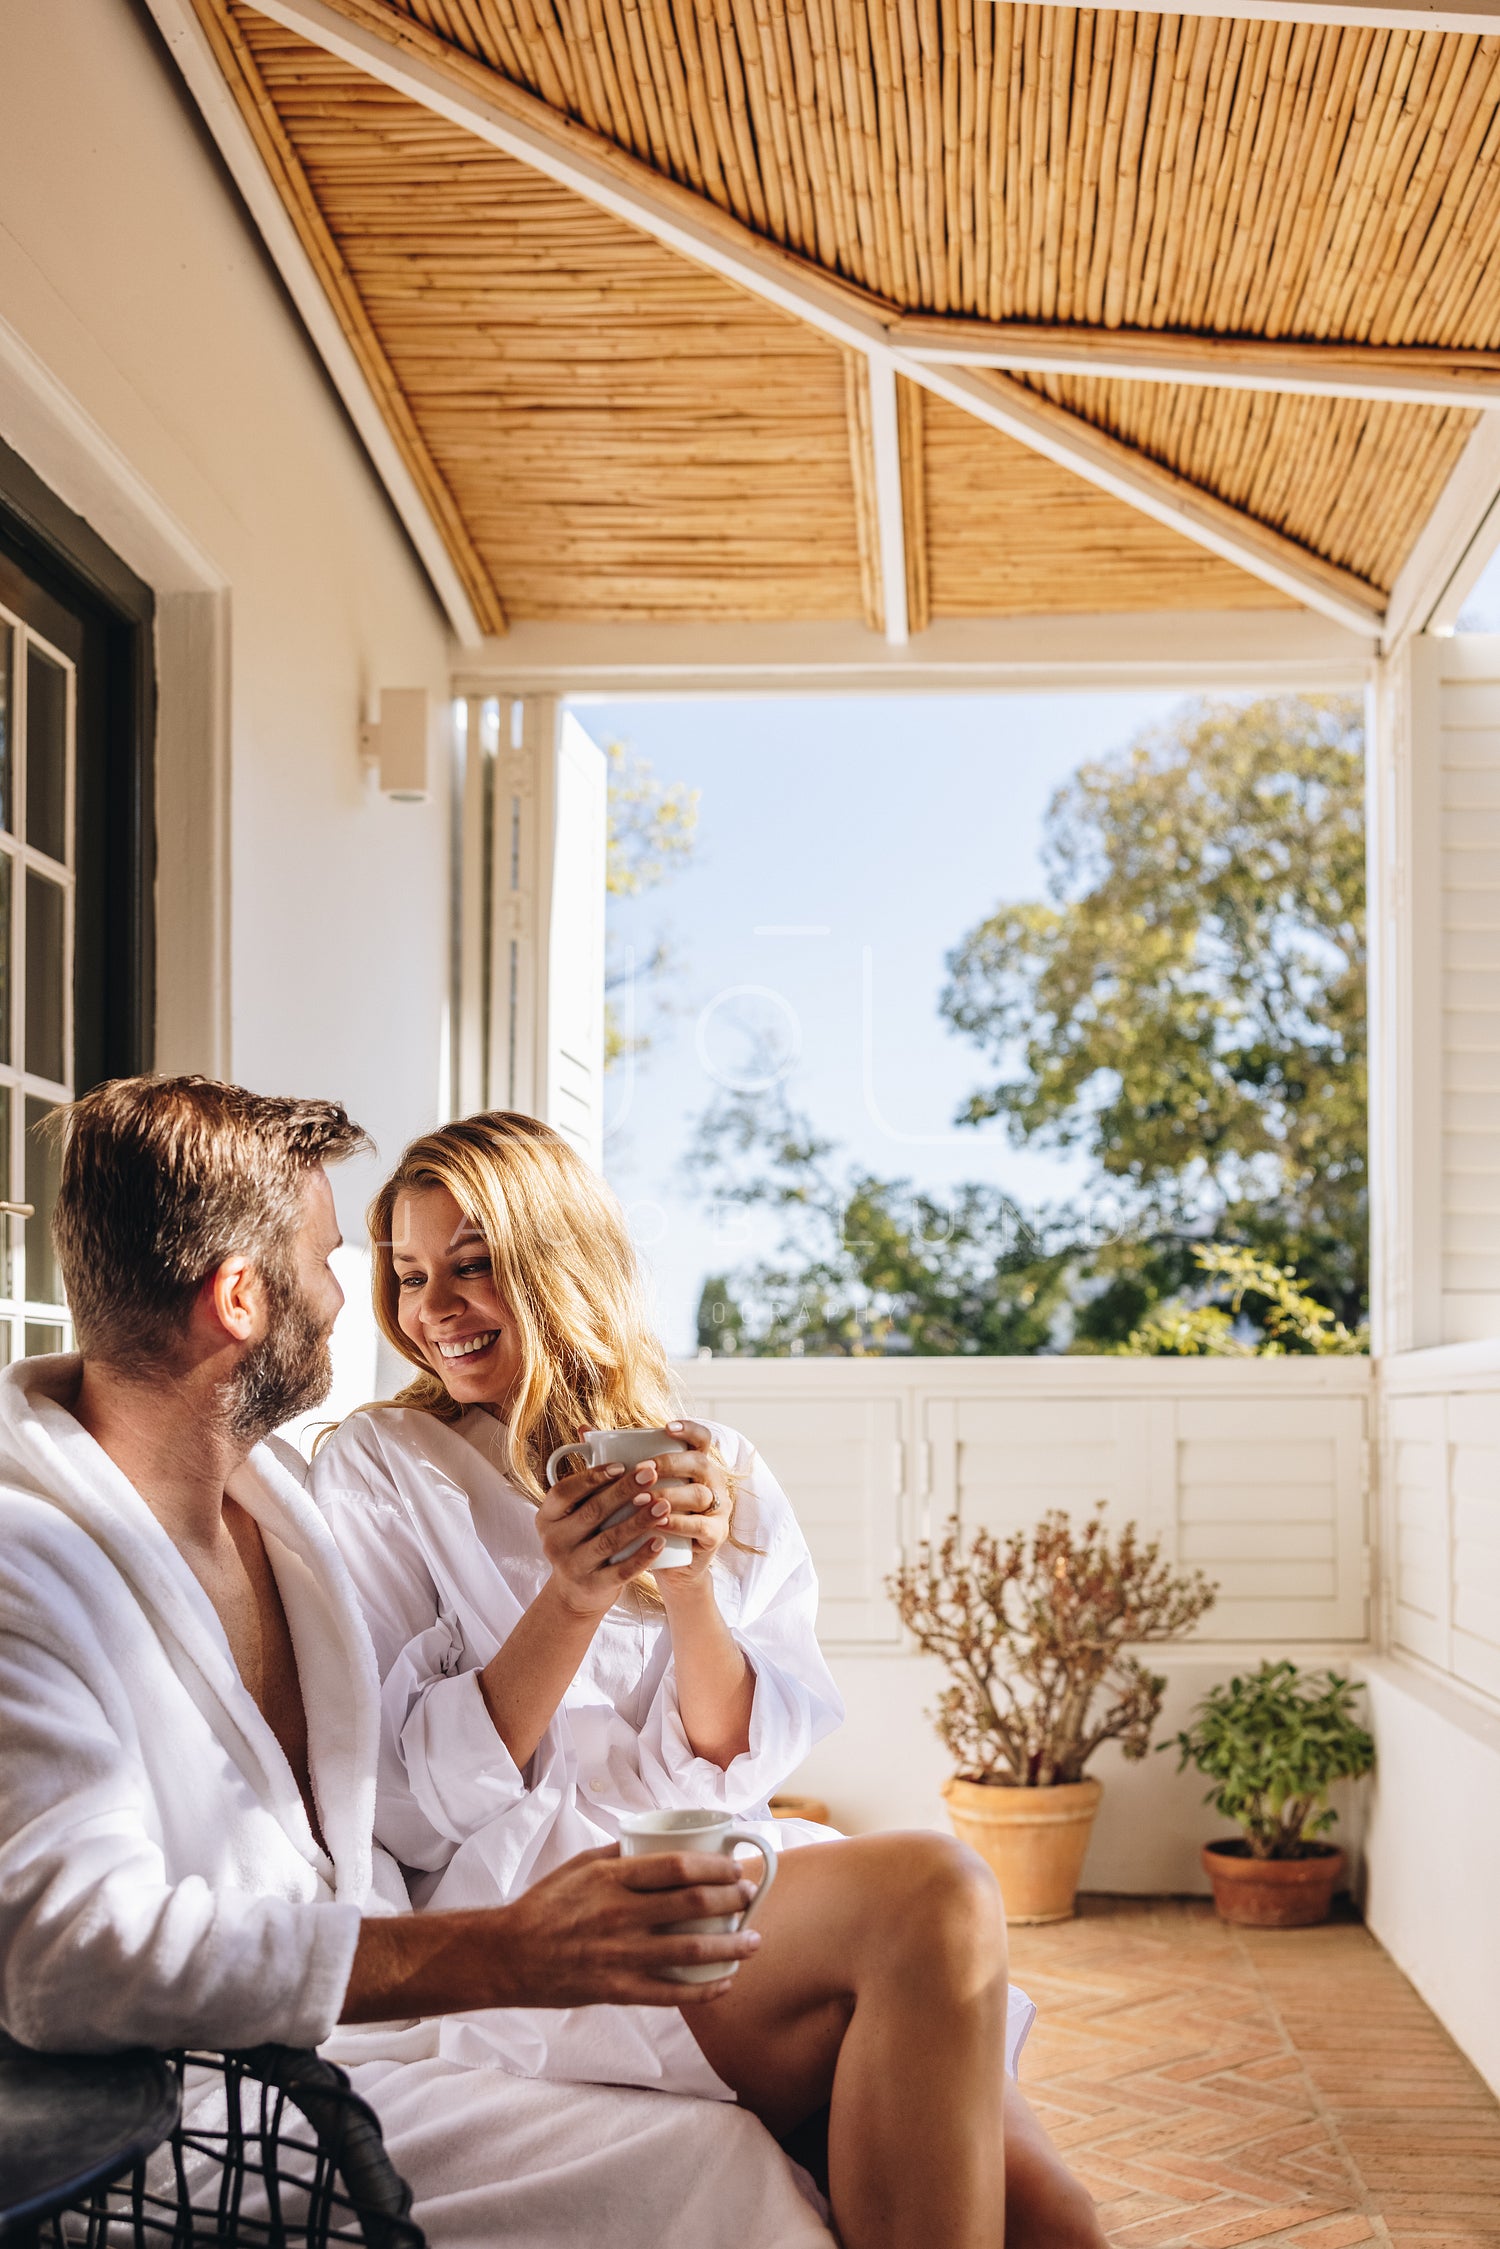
1222 2088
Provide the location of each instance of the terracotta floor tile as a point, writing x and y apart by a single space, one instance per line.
1258 2226
1224 2089
1338 2233
1447 2237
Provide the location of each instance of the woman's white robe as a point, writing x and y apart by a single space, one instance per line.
445 1554
161 1884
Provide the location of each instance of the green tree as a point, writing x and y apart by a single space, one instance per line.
864 1265
652 830
1188 1003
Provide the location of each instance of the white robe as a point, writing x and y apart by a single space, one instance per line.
160 1882
444 1552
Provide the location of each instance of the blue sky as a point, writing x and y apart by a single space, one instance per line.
844 845
1481 612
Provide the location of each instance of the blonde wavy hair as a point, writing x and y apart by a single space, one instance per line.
565 1270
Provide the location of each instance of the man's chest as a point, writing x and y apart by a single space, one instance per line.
242 1587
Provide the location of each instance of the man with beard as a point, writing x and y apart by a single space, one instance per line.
189 1722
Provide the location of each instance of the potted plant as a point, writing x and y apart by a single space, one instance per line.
1273 1744
1034 1630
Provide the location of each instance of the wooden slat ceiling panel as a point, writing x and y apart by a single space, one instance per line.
1009 534
1346 477
1137 171
1057 164
625 435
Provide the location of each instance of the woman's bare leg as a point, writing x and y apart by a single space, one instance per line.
1045 2206
881 1989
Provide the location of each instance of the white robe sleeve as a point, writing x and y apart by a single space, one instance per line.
99 1948
444 1770
770 1600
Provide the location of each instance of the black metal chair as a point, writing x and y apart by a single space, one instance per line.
275 2152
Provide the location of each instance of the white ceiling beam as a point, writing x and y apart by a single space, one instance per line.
1476 17
1454 545
1391 374
185 36
1274 649
890 512
400 53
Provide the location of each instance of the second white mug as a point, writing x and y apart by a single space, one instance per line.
643 1834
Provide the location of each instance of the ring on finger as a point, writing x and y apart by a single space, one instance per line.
713 1504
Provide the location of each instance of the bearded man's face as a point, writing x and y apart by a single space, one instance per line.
291 1367
289 1370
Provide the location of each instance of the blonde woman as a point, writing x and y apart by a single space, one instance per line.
538 1685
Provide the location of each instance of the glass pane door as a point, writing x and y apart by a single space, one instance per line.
38 726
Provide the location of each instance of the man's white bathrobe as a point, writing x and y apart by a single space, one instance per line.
160 1882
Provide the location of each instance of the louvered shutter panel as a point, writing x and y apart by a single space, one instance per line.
573 1015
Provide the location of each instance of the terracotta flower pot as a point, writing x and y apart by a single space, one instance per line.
1034 1838
800 1808
1272 1893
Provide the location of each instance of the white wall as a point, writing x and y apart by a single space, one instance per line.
153 372
1434 1831
886 1768
1433 1850
1435 1696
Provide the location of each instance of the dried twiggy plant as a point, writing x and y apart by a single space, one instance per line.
1034 1629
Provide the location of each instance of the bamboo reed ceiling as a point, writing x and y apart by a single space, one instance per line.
1350 479
1055 164
625 434
605 429
1009 534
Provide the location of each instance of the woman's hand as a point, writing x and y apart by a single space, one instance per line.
715 1684
586 1572
696 1485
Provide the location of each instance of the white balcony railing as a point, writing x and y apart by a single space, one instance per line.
1255 1470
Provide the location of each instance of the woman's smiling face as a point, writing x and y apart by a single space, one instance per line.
446 1300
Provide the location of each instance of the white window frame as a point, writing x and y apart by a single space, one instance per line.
19 1309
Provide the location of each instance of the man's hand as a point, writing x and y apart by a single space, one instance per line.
601 1929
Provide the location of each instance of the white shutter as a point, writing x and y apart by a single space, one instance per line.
573 1016
1469 715
1435 995
531 810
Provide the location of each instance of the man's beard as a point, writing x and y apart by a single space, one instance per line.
290 1369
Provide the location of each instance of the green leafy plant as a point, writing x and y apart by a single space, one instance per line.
1293 1324
1034 1630
1273 1744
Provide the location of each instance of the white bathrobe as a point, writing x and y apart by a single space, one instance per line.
160 1882
444 1551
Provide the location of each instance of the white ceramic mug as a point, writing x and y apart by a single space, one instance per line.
643 1834
630 1447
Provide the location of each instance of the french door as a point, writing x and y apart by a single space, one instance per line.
75 837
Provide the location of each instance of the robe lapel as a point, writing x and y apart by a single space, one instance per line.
335 1665
44 1450
465 1572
